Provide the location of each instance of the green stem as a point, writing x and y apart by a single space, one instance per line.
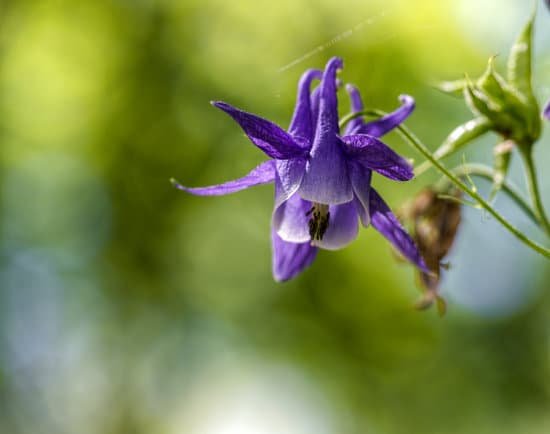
533 188
420 147
486 172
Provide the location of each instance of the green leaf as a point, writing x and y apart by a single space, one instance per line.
463 135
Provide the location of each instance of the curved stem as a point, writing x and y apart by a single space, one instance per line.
350 116
486 172
420 147
533 188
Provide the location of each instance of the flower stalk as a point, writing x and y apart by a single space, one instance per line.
488 173
533 188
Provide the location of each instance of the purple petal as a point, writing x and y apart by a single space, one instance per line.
375 155
290 259
356 106
360 181
267 136
315 101
263 174
385 222
326 179
289 176
327 121
546 112
290 220
302 120
387 123
342 229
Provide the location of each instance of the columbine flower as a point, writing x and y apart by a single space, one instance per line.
322 180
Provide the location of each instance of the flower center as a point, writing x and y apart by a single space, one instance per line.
318 221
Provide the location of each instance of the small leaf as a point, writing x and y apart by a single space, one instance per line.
463 135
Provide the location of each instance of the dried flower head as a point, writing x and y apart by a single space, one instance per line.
434 219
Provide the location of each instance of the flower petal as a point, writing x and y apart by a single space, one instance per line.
387 123
342 229
290 259
546 112
267 136
360 181
326 179
289 176
263 174
375 155
356 106
302 120
315 102
290 220
385 222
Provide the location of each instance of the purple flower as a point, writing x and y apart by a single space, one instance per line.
322 179
546 111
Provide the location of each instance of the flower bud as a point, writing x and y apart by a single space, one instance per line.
505 106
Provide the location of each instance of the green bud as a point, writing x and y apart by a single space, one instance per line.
520 78
519 61
481 103
505 106
502 108
516 120
492 83
486 105
463 135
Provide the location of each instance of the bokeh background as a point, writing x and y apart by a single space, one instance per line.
129 307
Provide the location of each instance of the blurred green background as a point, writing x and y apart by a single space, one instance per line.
129 307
